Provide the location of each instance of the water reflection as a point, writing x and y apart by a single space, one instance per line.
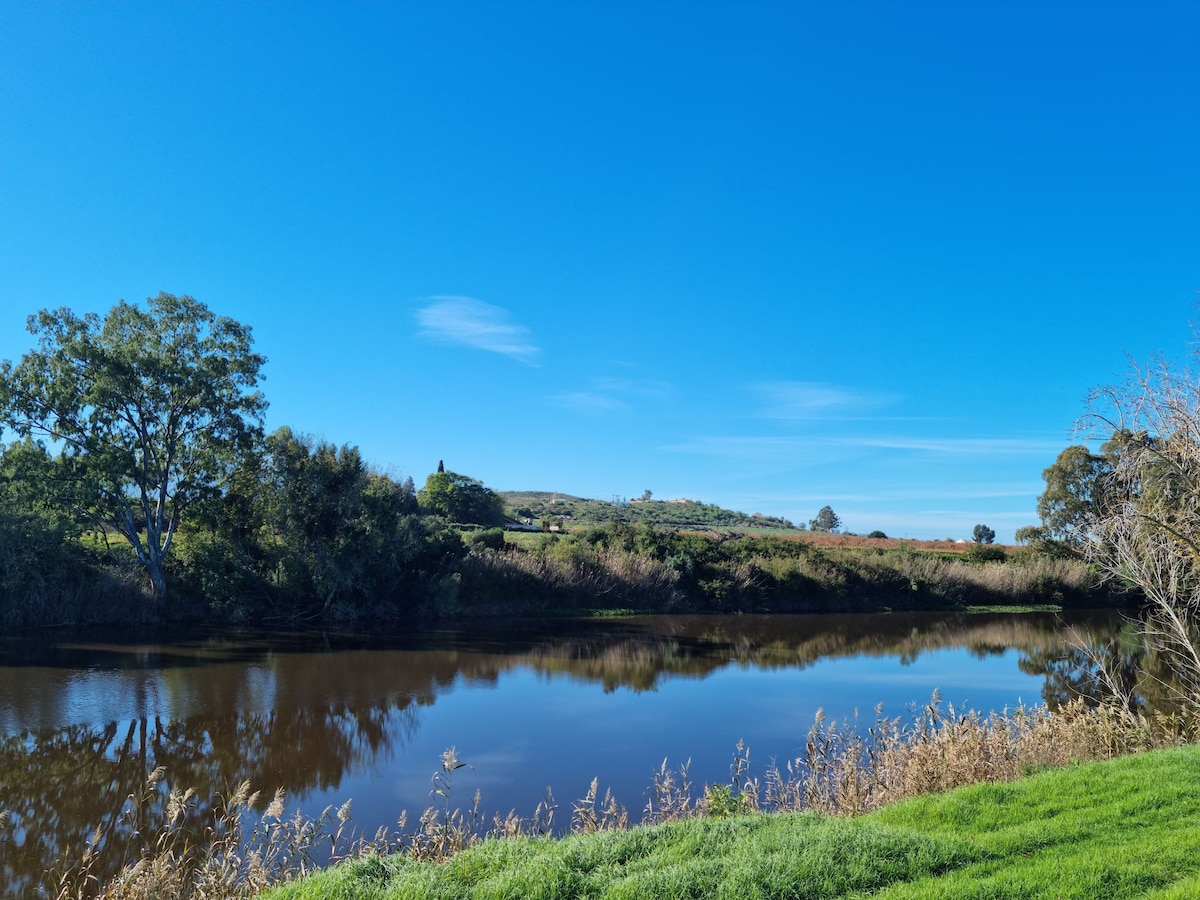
331 715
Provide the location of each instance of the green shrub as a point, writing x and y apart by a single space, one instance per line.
492 538
986 553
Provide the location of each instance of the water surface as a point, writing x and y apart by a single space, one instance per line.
528 705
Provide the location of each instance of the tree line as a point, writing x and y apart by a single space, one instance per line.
140 470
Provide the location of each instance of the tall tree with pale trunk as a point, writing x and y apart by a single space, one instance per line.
145 409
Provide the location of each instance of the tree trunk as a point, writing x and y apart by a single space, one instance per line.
158 578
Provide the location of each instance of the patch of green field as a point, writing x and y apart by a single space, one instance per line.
526 540
1122 829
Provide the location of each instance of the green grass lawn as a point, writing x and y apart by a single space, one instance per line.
526 540
1128 828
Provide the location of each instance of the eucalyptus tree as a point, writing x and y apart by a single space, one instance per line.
826 520
146 410
1075 486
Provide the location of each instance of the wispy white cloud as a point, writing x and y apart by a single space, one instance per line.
474 323
753 448
925 493
814 400
958 446
773 447
589 401
610 394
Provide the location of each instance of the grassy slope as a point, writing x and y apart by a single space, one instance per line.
1128 828
580 512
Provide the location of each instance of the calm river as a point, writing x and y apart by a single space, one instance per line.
335 715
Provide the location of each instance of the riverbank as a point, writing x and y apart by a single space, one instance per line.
842 810
1124 828
619 566
611 568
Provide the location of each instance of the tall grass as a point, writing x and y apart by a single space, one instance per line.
676 571
843 770
1032 577
571 572
908 579
44 581
212 860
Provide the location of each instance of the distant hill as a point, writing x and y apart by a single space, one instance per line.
539 506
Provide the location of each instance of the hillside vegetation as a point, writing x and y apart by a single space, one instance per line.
618 566
548 508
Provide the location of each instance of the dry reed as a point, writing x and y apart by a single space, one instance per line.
218 861
846 770
843 769
572 569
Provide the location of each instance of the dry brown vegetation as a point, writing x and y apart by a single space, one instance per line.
620 566
828 539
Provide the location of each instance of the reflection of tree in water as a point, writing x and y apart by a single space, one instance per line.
60 784
638 655
52 784
1117 663
1085 672
638 663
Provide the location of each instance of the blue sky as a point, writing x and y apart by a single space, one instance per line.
770 256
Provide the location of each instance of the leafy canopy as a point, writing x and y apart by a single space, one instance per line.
146 409
1074 484
826 520
983 534
461 499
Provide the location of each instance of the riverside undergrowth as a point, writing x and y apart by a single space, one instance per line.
618 566
844 769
